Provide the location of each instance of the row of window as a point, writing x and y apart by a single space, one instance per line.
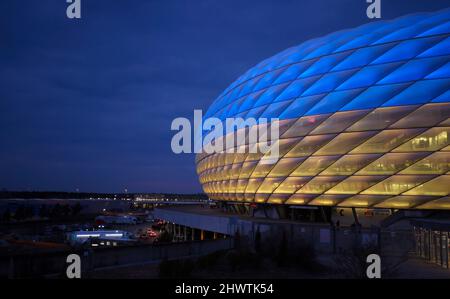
342 155
370 185
403 122
376 201
389 164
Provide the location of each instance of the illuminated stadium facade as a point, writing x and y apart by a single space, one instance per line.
364 119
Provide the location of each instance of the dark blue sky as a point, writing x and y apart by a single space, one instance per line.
88 103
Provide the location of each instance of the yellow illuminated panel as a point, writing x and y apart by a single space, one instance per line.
269 185
436 163
381 118
247 169
391 163
431 140
309 145
363 200
397 184
262 170
253 185
249 197
314 165
235 170
344 142
261 197
232 187
445 123
300 199
326 200
241 185
304 125
387 157
386 141
278 198
318 185
426 116
439 186
402 202
354 184
349 164
437 204
285 166
338 122
292 184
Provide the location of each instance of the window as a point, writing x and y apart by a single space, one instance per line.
402 202
262 170
253 185
300 199
396 184
391 163
285 166
305 125
313 165
426 116
318 185
441 203
363 200
431 140
278 198
292 184
339 121
235 170
349 164
241 185
386 141
381 118
247 169
309 145
261 197
344 142
439 186
354 184
436 163
327 200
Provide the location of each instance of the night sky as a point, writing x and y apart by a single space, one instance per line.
87 104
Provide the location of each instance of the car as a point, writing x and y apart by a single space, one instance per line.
152 234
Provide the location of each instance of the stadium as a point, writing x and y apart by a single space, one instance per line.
364 118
